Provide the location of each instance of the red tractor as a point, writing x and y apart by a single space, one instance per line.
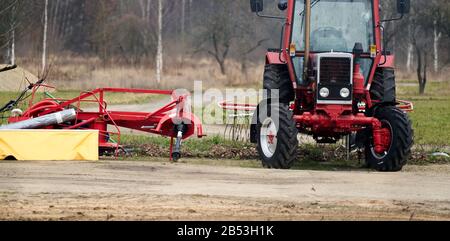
331 78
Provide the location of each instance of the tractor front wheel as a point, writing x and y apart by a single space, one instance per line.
398 132
276 136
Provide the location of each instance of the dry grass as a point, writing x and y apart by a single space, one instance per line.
69 72
411 77
79 73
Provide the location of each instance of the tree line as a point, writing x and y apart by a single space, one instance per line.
138 32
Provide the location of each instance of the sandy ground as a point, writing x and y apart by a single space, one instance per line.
147 190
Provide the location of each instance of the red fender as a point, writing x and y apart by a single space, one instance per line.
390 62
275 58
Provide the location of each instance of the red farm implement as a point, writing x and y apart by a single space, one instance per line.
173 120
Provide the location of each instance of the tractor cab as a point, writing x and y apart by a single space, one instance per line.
336 26
323 26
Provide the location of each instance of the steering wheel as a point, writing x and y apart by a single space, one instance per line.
327 39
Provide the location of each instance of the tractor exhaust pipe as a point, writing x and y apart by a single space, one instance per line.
307 37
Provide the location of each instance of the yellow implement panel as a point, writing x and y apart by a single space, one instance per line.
49 145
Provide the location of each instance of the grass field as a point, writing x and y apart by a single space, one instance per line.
431 116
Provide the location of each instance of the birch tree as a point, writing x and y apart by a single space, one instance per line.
44 40
159 52
437 38
434 17
8 25
183 29
13 36
13 47
409 52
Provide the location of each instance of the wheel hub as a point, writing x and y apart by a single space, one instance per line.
268 138
271 138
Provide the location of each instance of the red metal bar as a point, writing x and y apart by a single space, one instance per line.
82 124
112 121
164 109
137 91
100 109
345 124
406 106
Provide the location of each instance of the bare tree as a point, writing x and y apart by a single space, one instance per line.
44 40
159 54
225 31
422 65
13 36
183 29
421 42
437 38
217 35
409 53
13 47
145 6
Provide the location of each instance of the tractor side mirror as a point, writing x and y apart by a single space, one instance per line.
257 6
403 6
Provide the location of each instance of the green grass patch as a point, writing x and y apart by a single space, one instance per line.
431 115
431 121
434 90
200 145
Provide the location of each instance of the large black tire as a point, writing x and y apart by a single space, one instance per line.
285 149
383 86
402 136
276 77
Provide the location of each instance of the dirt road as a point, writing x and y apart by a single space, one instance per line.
136 190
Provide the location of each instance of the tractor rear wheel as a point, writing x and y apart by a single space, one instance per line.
276 136
276 77
399 126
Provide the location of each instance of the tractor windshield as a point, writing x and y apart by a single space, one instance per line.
336 25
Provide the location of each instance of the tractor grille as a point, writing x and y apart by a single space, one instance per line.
335 74
335 71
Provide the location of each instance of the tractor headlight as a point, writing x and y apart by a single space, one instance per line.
324 92
345 93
